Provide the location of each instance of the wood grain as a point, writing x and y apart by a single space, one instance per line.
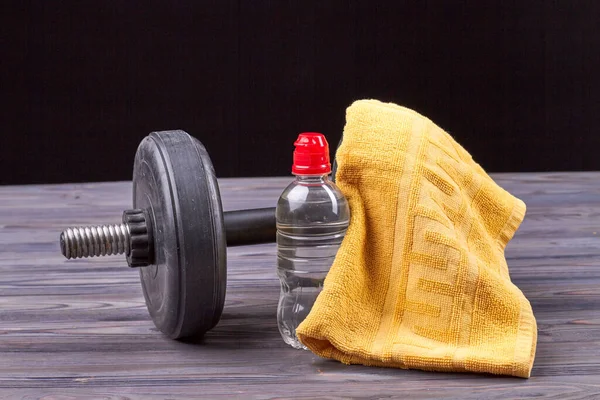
80 328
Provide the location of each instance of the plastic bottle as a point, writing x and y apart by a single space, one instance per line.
312 219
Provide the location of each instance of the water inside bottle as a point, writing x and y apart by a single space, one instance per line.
305 255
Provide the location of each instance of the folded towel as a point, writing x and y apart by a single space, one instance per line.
420 280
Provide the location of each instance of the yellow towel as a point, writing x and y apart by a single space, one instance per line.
420 280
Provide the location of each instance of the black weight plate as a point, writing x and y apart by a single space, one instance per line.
173 178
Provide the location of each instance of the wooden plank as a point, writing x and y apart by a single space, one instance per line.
81 328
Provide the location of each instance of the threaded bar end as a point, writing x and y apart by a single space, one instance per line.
95 241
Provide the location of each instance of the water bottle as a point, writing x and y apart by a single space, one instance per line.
312 218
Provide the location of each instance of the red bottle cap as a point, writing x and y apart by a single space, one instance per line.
311 156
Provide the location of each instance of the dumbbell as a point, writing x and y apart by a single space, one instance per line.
176 233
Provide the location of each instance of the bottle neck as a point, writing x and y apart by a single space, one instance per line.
313 178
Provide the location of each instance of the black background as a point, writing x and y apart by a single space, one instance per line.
82 82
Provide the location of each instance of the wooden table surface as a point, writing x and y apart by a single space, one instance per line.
75 328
